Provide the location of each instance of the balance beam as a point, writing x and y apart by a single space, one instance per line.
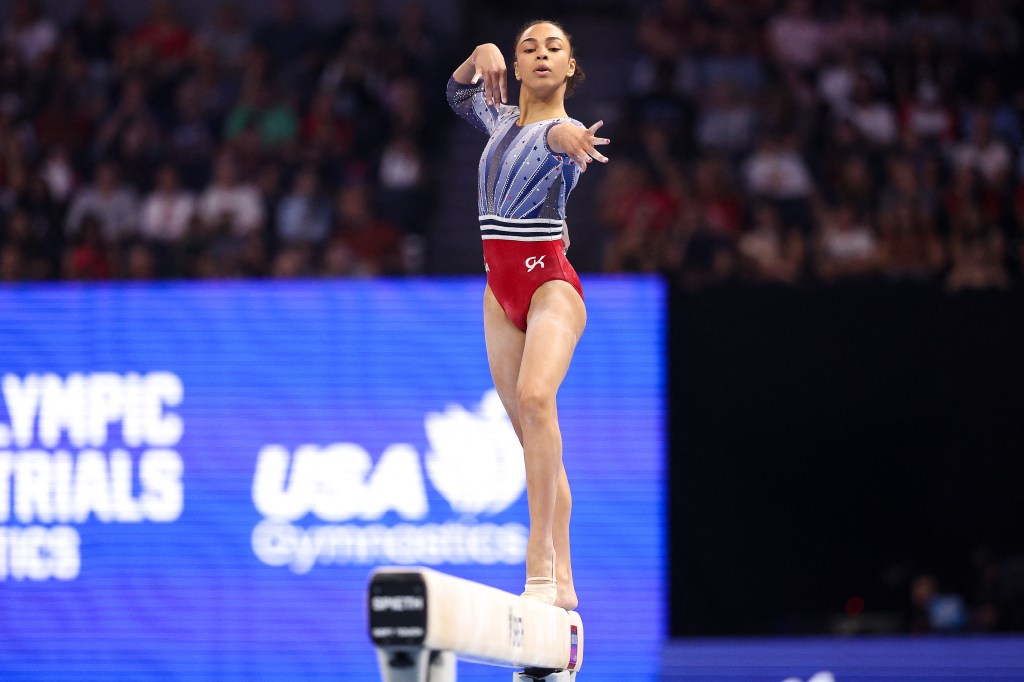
420 620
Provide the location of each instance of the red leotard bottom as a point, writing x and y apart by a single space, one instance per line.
515 270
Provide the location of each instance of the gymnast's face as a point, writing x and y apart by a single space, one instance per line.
543 57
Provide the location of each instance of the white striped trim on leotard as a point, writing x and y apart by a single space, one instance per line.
520 229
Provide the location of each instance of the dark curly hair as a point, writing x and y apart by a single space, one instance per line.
577 76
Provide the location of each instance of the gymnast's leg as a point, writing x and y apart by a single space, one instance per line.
527 369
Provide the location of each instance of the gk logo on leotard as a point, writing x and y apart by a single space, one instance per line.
533 262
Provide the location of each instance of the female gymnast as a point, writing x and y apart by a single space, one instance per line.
533 304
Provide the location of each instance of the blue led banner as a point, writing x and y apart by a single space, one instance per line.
845 659
196 479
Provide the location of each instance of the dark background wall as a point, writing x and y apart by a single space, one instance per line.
833 443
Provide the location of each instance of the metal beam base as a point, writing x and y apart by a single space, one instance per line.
402 664
535 675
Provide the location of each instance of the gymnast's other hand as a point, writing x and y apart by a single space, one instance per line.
579 143
490 66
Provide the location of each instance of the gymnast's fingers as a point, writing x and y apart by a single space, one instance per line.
498 85
489 88
596 154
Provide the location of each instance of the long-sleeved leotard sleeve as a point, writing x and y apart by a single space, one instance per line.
468 102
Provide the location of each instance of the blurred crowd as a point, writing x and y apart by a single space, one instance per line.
842 140
992 601
780 141
224 149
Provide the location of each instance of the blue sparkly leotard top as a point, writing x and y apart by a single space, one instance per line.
522 184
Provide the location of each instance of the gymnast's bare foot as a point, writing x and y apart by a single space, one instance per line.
566 598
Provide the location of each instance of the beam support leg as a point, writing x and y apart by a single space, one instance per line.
560 676
401 664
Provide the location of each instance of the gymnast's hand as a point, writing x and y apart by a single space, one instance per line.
579 143
490 66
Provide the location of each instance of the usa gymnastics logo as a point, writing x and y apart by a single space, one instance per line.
474 462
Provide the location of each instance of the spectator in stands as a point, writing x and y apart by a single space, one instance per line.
402 180
11 269
731 64
304 214
375 244
32 35
13 82
140 262
1005 119
112 206
139 152
59 175
977 255
933 19
641 213
417 42
911 248
932 611
855 184
663 106
89 258
292 261
873 117
726 122
338 261
355 75
263 110
777 172
796 38
28 257
859 28
984 152
836 79
718 209
167 211
163 35
846 248
967 193
904 188
271 190
66 121
95 33
228 205
226 34
927 117
662 34
363 19
326 136
992 58
622 191
192 138
288 38
132 111
769 251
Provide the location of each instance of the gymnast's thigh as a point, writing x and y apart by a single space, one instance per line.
505 344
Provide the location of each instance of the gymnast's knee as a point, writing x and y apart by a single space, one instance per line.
535 405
